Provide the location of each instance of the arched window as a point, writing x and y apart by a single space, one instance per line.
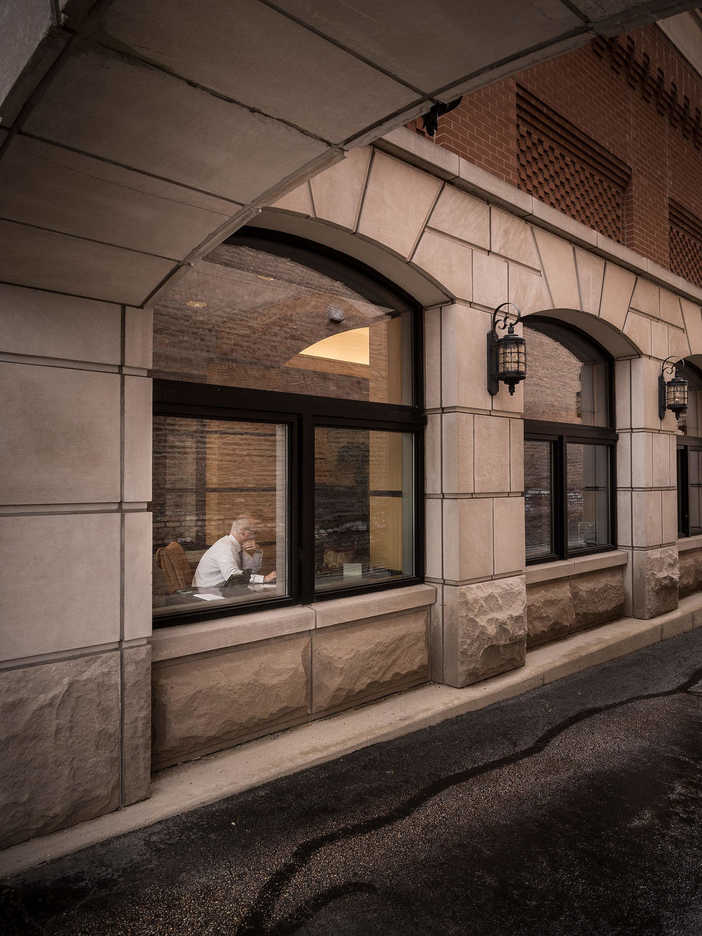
569 443
689 462
287 430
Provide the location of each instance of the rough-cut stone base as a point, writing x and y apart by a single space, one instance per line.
550 612
484 629
598 597
655 582
210 702
60 742
136 732
690 572
354 663
555 609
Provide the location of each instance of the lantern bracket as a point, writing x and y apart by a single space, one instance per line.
670 367
505 321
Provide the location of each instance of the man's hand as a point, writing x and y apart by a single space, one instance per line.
271 577
249 545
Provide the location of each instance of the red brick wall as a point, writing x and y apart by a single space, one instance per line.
606 98
483 129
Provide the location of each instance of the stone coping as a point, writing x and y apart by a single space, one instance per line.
212 778
181 640
414 149
579 565
374 604
184 639
688 543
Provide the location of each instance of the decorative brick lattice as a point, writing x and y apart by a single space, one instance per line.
685 244
656 89
568 170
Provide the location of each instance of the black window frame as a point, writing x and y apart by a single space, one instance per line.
685 444
560 435
302 414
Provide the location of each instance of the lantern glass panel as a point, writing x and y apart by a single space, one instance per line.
511 357
676 394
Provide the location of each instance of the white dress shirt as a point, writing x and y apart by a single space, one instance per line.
225 558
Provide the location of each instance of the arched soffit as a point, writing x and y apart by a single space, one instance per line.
606 335
425 291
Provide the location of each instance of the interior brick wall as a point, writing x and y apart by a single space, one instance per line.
636 96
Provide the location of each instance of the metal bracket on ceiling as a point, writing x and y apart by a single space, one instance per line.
431 118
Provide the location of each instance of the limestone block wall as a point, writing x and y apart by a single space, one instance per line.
478 241
573 595
474 481
75 554
227 681
75 533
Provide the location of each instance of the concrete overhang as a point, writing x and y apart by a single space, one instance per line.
134 134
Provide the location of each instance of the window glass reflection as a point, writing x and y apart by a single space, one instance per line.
568 378
363 506
248 318
694 490
218 512
538 498
588 503
691 421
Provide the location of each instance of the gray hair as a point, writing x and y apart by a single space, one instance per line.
240 522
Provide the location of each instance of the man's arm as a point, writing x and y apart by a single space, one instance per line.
244 570
251 560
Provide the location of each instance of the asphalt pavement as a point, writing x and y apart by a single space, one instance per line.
573 810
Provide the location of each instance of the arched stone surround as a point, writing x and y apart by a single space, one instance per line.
461 255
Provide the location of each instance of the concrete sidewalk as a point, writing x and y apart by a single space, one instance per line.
217 776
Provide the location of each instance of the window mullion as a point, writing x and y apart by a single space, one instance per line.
306 550
683 490
561 524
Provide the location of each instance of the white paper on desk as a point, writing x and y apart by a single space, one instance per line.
208 597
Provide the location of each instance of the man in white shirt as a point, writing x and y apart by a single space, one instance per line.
233 559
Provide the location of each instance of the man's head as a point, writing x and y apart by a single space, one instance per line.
243 529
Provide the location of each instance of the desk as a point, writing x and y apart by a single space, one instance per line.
212 596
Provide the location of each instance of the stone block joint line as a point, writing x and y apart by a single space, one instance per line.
257 921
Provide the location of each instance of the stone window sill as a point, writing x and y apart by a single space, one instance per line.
580 565
375 604
222 633
689 542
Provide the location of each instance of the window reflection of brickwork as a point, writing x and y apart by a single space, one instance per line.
565 386
208 473
694 468
567 480
245 318
690 458
362 490
588 496
263 351
538 498
685 244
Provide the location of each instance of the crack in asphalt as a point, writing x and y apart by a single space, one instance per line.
257 921
308 910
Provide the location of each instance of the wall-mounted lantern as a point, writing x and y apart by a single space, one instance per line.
672 394
506 356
